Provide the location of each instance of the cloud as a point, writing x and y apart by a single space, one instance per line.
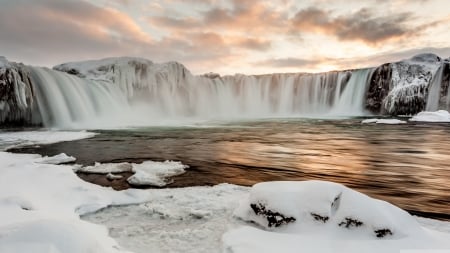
362 25
291 62
46 31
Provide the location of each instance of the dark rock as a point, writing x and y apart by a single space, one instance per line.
378 88
17 99
321 218
273 218
380 233
350 222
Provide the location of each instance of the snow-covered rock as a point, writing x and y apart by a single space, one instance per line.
105 168
130 73
438 116
383 121
318 216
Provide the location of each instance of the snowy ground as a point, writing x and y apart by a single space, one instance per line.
41 206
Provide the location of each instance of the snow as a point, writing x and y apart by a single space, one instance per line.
328 217
56 159
41 205
15 139
155 173
383 121
437 116
105 168
148 173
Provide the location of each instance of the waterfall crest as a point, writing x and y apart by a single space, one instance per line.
157 94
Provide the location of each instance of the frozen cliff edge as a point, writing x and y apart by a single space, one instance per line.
17 104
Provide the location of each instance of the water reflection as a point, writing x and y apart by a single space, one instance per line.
403 164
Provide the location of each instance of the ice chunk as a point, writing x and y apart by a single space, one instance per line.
155 173
105 168
437 116
56 159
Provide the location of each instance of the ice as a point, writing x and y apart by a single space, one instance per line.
322 216
437 116
23 138
105 168
383 121
148 173
41 203
155 173
56 159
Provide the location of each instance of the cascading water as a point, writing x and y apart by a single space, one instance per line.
434 91
67 101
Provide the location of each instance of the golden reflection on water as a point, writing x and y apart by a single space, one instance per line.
409 167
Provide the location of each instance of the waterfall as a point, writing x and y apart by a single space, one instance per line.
136 93
434 91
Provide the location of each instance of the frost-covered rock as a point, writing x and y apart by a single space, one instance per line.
438 116
130 73
17 104
318 216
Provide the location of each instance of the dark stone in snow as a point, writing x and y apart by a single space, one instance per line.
273 218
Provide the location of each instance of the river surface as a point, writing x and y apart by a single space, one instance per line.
406 164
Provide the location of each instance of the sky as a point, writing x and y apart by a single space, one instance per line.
226 36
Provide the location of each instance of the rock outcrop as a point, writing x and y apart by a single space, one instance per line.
17 104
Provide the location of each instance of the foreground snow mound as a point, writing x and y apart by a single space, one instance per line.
324 217
40 206
438 116
383 121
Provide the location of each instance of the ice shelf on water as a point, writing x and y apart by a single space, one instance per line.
14 139
383 121
437 116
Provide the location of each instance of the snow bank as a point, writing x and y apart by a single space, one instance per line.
40 206
383 121
14 139
325 217
56 159
148 173
438 116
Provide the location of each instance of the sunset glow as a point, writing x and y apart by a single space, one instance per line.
226 36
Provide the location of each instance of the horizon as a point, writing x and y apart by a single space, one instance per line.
226 36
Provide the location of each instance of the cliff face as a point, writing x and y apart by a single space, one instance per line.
402 88
17 103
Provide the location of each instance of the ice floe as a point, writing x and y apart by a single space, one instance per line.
383 121
56 159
